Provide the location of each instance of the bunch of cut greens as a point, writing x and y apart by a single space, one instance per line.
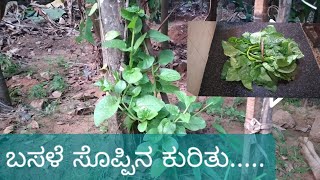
263 58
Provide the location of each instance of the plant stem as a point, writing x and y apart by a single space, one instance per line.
131 53
133 116
203 109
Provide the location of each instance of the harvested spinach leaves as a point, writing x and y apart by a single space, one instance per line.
263 58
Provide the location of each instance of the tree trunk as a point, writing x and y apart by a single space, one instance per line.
212 16
284 11
165 26
110 19
4 93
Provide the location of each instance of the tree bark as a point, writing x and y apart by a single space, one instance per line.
4 93
284 11
165 26
110 19
260 10
212 16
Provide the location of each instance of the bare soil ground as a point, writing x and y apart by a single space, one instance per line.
42 55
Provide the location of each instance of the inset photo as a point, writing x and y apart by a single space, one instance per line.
252 59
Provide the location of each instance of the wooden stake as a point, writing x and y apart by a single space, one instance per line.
260 11
284 11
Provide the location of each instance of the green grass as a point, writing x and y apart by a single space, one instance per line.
58 84
38 91
293 155
8 67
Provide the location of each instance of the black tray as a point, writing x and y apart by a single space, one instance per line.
305 85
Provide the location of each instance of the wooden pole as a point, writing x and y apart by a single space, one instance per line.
165 26
260 11
284 11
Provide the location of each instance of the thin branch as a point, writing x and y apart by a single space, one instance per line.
166 19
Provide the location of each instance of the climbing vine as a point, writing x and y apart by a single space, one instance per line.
134 91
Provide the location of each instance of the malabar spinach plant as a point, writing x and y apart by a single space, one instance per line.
134 91
263 58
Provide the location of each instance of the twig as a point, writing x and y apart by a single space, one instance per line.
166 19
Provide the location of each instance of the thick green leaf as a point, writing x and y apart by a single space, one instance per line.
147 61
187 100
105 109
111 35
143 147
93 9
126 14
150 102
54 13
139 41
145 114
185 117
157 36
219 128
157 168
115 43
169 142
138 26
152 135
229 50
120 86
195 123
136 91
132 75
169 75
181 130
104 85
172 109
165 57
143 126
166 127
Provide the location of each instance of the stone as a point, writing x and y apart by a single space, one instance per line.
315 131
283 119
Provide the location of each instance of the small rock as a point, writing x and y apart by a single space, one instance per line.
45 75
8 129
33 125
56 94
49 50
32 53
24 116
38 42
315 131
303 129
283 119
37 104
62 21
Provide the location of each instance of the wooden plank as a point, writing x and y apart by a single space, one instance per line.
200 35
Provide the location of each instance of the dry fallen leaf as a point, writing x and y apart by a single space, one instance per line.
55 4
